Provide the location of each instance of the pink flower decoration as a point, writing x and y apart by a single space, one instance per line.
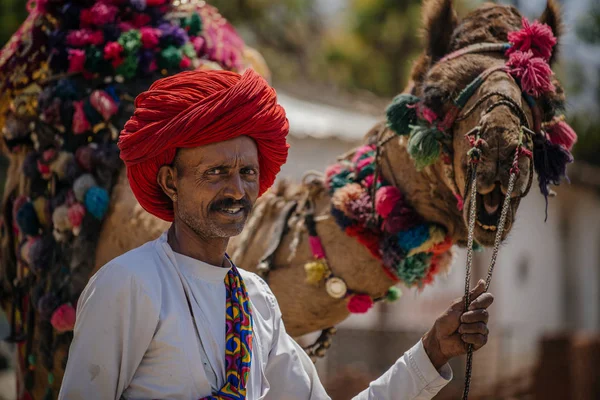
386 200
104 104
150 38
198 42
112 50
103 14
140 20
63 318
185 63
534 72
360 303
76 213
80 121
44 169
536 37
76 60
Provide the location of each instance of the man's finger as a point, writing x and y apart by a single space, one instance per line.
477 327
477 290
471 317
459 304
483 301
476 339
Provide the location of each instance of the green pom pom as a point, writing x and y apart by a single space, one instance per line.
424 145
400 113
170 58
393 294
131 41
413 269
94 60
129 66
340 180
188 50
193 24
477 247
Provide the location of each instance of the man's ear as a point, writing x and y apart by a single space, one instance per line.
167 180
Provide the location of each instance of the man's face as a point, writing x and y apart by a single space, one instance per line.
217 186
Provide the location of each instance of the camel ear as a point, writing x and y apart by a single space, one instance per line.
439 22
552 17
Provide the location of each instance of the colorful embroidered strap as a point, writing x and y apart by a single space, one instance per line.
238 339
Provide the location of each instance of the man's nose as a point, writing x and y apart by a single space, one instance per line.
235 187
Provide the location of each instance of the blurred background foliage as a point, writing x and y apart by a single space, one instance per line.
364 46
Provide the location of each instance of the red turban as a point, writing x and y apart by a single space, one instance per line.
196 108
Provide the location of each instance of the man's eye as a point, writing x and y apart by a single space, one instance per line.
216 171
249 171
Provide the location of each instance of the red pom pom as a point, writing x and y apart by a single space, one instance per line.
63 319
536 37
386 199
112 50
185 63
76 213
534 72
76 60
360 303
149 37
80 121
561 133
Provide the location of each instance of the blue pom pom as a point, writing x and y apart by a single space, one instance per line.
27 220
96 201
341 219
413 237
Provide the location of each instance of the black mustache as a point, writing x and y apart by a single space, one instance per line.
231 203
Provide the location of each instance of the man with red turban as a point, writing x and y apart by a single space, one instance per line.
201 147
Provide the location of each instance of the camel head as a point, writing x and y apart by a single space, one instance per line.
501 112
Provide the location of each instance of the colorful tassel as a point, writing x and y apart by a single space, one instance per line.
402 113
96 201
80 122
360 303
393 294
386 199
413 269
63 318
550 162
561 133
27 220
316 271
424 145
104 104
533 72
535 37
82 185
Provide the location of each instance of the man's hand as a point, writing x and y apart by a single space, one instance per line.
454 330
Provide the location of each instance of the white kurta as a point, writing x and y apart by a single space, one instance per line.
135 337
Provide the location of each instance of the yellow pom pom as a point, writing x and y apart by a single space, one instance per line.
316 271
41 209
